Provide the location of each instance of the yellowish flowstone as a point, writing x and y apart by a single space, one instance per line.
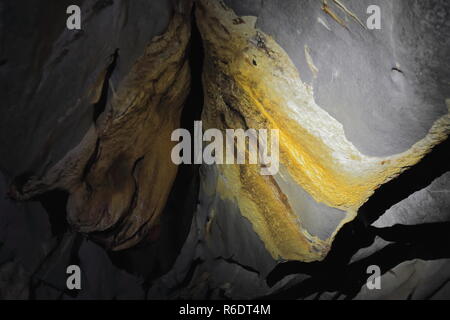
250 82
121 173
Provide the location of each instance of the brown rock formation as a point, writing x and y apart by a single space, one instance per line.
120 174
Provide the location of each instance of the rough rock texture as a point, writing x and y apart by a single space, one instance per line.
85 125
250 82
401 72
122 166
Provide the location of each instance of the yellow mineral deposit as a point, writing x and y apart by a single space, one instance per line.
134 137
250 82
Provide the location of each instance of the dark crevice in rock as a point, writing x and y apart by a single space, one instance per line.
243 266
183 198
54 203
397 70
152 259
136 183
88 166
18 183
194 103
100 105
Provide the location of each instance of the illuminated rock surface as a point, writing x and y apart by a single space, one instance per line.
363 119
250 82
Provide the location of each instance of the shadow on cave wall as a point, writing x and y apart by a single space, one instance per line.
431 167
425 241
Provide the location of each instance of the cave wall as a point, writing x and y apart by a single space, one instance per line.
85 149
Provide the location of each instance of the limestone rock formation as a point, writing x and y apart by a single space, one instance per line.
121 166
85 143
